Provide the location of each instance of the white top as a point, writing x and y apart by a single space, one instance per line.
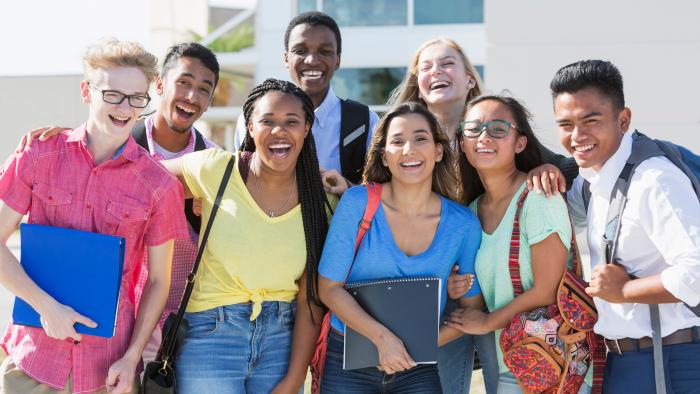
326 131
659 232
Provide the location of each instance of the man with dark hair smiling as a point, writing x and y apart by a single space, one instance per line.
342 128
657 255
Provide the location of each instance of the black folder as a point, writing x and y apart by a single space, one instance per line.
408 307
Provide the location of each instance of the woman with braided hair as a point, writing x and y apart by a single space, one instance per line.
262 255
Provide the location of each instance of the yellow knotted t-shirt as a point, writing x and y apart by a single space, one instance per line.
249 256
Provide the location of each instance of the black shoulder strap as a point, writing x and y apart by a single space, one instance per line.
198 141
165 352
139 133
354 129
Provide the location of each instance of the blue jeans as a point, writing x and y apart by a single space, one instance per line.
226 353
507 384
422 379
456 361
633 372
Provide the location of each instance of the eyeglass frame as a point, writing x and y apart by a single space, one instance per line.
124 96
485 127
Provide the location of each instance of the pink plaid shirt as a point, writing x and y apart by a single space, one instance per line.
58 184
185 251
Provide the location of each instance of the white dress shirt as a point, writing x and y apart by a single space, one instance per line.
659 233
326 131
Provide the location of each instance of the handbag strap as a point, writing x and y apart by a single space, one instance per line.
514 255
374 197
168 344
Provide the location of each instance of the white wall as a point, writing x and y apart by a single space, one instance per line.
31 102
655 45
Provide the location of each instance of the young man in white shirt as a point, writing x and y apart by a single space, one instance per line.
658 250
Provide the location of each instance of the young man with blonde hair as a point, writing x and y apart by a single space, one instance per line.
107 184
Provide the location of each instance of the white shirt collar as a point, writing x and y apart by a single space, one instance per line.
603 181
326 107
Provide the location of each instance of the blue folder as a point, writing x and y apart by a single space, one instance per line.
78 268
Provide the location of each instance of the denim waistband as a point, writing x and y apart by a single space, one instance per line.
269 308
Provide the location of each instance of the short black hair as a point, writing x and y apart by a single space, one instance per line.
313 18
599 74
193 50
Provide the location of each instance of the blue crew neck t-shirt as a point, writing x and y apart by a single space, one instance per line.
456 241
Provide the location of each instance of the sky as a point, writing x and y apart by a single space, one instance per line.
47 37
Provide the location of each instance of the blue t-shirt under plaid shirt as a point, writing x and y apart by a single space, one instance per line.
456 241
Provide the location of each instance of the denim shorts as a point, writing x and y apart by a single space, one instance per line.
507 384
224 352
456 361
422 379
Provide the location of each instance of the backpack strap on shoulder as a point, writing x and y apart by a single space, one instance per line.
198 140
138 131
354 129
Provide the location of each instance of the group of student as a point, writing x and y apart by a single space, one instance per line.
454 167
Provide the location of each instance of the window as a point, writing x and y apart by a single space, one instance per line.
306 5
395 12
370 86
367 12
426 12
480 70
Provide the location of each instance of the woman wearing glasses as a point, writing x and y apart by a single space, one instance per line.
441 77
499 150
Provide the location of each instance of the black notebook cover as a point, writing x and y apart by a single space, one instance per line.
408 307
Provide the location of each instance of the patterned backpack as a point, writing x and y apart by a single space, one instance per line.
550 348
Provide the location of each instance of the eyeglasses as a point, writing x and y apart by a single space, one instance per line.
495 128
117 97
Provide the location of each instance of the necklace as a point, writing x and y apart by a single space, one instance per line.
271 212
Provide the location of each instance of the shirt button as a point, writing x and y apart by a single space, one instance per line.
50 197
88 206
126 215
94 172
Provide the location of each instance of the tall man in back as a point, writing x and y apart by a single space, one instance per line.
342 129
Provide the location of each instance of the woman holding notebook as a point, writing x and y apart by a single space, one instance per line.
417 231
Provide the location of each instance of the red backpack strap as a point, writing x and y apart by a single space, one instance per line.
513 257
374 198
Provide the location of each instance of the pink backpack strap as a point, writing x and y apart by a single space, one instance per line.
513 256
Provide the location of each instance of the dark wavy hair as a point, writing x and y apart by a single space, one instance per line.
525 161
444 174
311 194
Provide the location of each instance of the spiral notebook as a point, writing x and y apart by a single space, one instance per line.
408 307
77 268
